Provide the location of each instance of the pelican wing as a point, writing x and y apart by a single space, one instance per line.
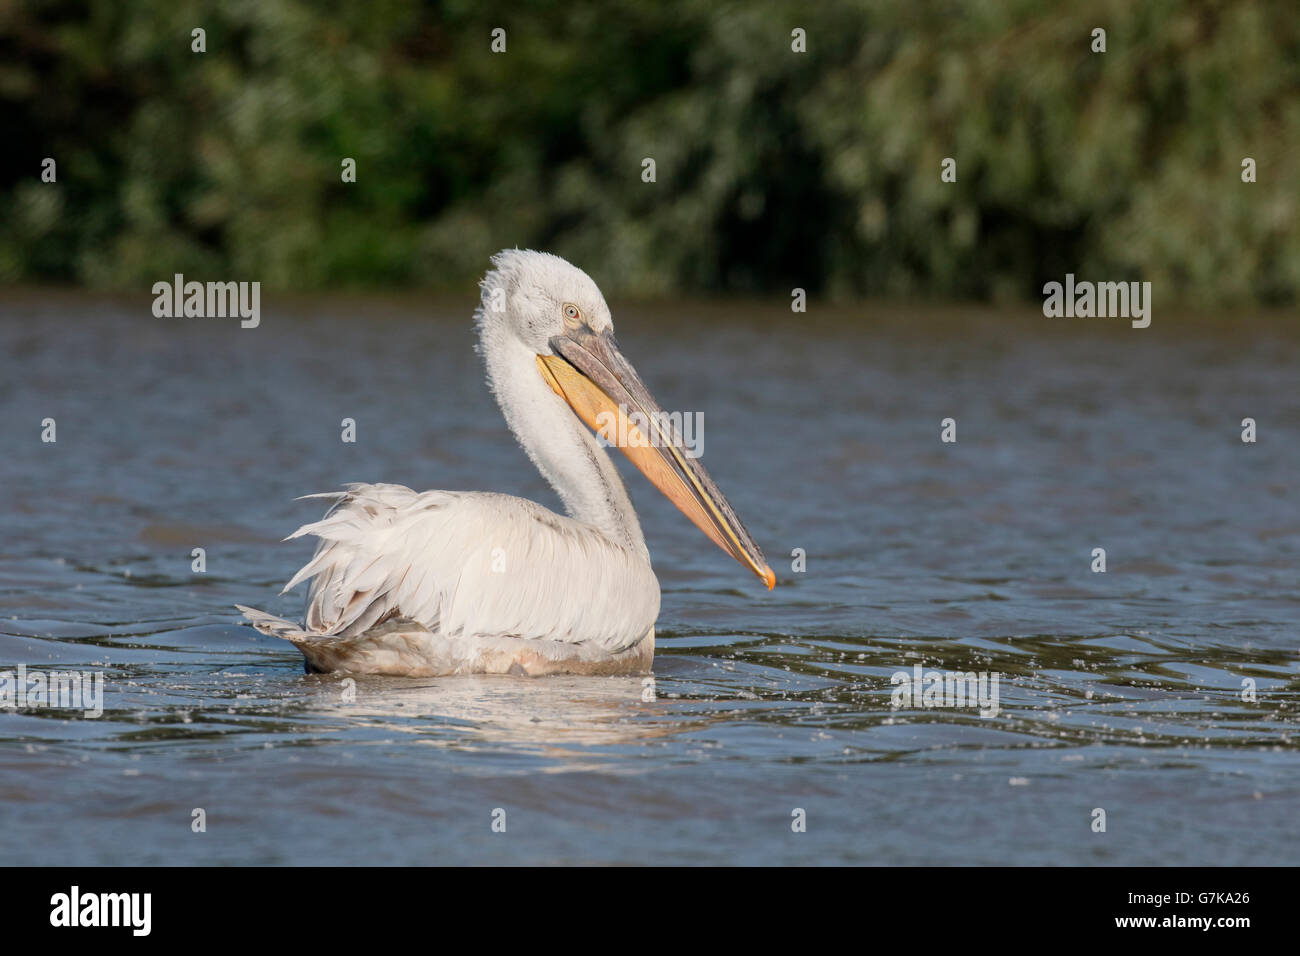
471 565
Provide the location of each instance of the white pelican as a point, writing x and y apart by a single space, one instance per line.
455 582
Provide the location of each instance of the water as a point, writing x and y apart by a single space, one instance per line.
1120 691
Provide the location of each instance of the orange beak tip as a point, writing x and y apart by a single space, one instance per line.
770 578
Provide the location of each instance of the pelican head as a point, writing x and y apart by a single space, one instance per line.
540 303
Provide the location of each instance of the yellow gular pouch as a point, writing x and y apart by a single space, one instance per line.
589 401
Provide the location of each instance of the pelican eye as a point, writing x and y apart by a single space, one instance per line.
572 315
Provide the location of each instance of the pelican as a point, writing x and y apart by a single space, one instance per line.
452 582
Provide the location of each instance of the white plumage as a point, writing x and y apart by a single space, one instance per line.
464 582
445 582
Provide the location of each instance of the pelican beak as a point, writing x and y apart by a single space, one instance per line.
588 371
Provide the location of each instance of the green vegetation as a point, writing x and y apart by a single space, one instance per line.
774 169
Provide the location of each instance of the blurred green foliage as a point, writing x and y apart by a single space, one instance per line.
774 169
